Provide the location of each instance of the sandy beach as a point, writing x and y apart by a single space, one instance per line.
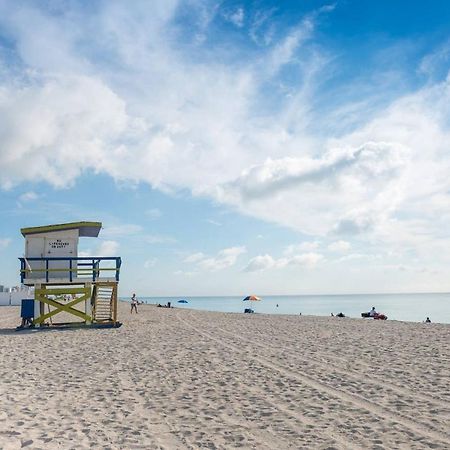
177 378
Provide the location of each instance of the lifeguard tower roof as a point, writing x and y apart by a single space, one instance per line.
89 229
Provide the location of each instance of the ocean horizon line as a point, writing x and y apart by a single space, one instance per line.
297 295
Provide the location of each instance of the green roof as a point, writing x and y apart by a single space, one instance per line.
90 229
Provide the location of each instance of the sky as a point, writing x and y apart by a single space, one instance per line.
232 147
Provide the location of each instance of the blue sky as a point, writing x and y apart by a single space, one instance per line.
232 147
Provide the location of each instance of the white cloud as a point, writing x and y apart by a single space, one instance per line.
225 258
306 246
339 246
108 248
352 188
43 138
308 260
260 263
236 17
283 52
195 257
28 196
208 127
264 262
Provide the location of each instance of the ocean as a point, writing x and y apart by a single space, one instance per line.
405 307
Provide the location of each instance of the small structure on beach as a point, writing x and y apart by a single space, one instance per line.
83 290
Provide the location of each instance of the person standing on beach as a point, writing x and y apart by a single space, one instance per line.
134 303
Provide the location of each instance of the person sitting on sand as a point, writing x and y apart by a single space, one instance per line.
428 320
372 312
134 303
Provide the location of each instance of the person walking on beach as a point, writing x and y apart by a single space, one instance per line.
134 303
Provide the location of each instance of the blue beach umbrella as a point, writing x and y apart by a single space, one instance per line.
183 301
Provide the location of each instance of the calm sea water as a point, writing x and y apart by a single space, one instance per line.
407 307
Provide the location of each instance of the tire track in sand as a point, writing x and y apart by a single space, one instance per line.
425 401
426 430
335 435
429 399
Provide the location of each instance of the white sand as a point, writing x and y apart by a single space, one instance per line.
187 379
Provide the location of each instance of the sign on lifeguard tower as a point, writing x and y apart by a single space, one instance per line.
84 288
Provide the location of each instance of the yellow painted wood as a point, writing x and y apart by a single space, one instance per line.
59 227
100 304
61 291
105 299
41 296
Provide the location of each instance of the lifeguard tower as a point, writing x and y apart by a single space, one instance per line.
80 291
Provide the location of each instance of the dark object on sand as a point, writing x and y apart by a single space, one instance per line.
376 316
340 315
248 310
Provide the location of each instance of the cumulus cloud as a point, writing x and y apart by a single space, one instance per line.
339 246
108 248
352 188
368 163
176 118
260 262
57 127
265 262
306 246
308 260
195 257
224 259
